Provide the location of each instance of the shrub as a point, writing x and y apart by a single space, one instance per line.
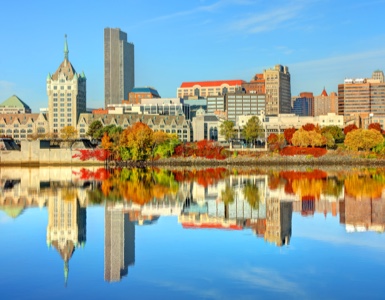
290 151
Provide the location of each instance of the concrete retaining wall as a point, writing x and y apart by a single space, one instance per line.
31 153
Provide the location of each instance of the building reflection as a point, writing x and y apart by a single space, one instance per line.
119 242
239 202
363 214
66 229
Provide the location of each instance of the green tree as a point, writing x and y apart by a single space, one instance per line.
94 127
227 130
336 132
252 130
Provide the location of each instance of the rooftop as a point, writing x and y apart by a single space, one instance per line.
218 83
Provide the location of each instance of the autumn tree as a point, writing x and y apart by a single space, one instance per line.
227 130
363 139
252 130
304 138
275 141
376 126
349 128
288 134
308 127
136 142
164 143
252 194
93 129
68 132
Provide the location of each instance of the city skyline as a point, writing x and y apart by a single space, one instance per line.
321 42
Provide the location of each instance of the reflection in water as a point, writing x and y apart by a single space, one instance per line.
66 228
119 242
262 201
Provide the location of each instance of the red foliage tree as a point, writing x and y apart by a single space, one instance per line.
309 127
376 126
272 138
288 134
349 128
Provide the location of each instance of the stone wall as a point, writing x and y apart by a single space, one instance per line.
36 153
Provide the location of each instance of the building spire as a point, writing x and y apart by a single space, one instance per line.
65 48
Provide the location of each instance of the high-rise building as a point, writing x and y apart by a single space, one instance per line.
66 92
119 72
361 97
278 90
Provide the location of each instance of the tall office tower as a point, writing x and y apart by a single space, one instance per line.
378 75
278 90
119 243
66 229
119 71
66 92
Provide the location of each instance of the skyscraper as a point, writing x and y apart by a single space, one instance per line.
66 92
278 90
119 69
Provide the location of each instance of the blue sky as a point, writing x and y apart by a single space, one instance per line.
321 41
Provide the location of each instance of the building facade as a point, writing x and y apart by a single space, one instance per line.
325 103
256 85
278 90
361 97
23 126
66 90
304 104
119 70
208 88
139 93
14 105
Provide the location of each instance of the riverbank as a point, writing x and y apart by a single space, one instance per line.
266 159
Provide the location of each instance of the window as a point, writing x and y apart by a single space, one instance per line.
69 109
62 87
68 87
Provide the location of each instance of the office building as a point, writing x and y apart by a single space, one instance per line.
278 90
232 105
362 97
325 103
66 90
208 88
256 85
119 72
139 93
304 105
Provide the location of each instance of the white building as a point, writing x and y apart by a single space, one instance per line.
66 92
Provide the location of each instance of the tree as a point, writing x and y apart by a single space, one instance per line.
252 130
363 139
309 127
304 138
68 132
136 142
251 194
94 127
349 128
288 134
376 126
335 131
227 130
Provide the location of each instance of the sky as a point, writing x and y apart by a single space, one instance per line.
321 41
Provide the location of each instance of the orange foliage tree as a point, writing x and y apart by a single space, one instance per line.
288 134
375 126
349 128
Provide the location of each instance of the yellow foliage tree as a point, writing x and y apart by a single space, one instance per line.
68 132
